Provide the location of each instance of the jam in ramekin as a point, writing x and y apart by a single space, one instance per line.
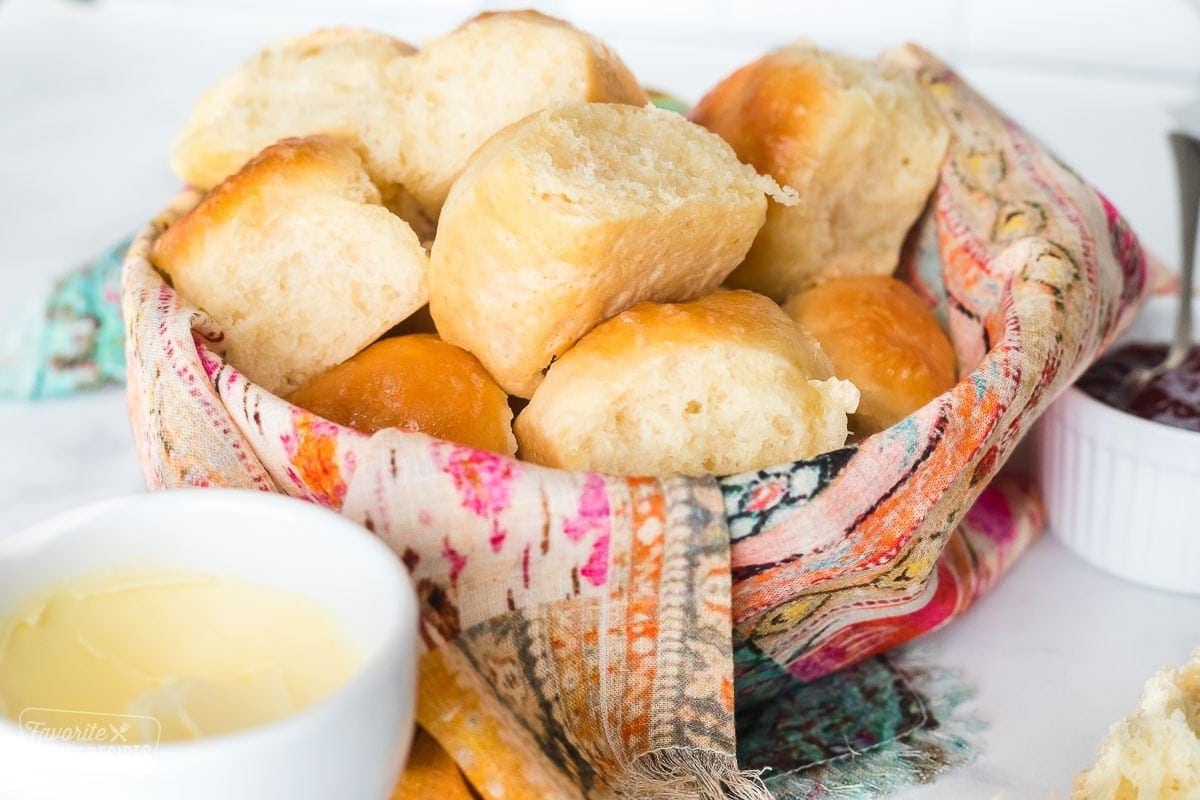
1172 399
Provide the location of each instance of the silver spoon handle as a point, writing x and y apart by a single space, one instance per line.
1187 162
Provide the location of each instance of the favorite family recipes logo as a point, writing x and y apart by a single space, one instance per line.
121 733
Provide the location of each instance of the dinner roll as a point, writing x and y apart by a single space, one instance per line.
575 214
492 71
333 81
879 335
415 116
416 383
859 142
719 385
296 261
1154 753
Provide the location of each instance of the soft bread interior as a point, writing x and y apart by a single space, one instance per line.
633 162
329 81
491 72
1154 754
577 213
296 262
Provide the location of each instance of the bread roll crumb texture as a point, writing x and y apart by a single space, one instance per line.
1153 754
296 261
576 214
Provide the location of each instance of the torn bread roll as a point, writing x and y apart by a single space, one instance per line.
296 261
576 214
490 72
861 144
880 335
329 81
415 117
1154 753
415 383
720 385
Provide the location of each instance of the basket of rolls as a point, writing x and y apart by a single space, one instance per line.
663 412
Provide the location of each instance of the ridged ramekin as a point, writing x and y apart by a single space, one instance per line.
1120 491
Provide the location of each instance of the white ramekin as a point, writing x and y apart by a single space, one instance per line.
350 744
1123 492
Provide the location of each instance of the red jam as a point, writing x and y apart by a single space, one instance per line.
1172 399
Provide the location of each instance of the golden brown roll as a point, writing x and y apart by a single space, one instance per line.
880 336
415 383
859 142
719 385
297 261
575 214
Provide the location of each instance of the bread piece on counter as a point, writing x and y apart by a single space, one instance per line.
415 383
879 335
859 142
575 214
1153 754
296 261
719 385
416 117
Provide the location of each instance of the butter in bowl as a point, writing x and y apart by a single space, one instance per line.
199 644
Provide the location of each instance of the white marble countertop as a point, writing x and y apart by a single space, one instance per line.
89 97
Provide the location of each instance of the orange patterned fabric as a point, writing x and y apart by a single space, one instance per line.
431 774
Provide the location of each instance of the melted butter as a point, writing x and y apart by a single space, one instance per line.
199 654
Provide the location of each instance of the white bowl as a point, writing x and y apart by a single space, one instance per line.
1123 492
350 744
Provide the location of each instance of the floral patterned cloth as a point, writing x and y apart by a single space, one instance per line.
590 636
68 342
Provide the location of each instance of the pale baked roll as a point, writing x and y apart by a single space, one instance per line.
331 81
416 117
490 72
575 214
859 142
880 335
1154 753
415 383
296 261
719 385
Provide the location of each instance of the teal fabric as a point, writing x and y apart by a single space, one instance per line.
866 732
71 341
667 101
